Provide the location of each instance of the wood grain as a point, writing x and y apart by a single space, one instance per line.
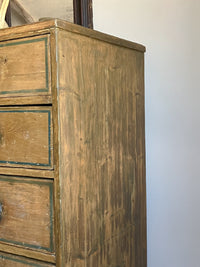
45 27
96 146
56 145
27 172
8 260
25 100
25 137
140 185
98 155
24 67
27 212
28 252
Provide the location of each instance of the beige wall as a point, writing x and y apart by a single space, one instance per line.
170 31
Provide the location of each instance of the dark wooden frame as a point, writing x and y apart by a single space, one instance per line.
8 16
83 14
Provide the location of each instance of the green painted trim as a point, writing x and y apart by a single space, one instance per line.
49 138
45 183
51 218
20 180
24 42
21 261
46 64
43 39
23 91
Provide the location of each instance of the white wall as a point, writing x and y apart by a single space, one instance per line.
170 31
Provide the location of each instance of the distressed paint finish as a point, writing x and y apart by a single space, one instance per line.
96 145
24 251
25 137
24 67
98 88
140 186
27 217
7 260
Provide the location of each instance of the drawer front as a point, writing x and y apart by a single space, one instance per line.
7 260
24 67
26 137
26 212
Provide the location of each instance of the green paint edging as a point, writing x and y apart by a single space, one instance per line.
51 218
49 138
50 185
43 39
21 261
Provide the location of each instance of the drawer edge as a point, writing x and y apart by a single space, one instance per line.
27 172
26 252
25 100
43 246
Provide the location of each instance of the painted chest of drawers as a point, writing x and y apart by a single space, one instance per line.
72 155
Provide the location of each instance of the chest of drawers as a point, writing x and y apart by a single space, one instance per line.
72 156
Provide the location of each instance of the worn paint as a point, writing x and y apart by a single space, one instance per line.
21 210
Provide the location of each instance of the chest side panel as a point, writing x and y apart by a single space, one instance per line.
97 116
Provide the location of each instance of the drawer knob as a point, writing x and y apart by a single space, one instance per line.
1 211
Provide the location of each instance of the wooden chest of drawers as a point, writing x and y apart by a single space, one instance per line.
72 155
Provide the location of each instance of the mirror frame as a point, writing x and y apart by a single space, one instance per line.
83 13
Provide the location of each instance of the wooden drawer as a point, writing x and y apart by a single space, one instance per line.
7 260
25 67
26 212
26 137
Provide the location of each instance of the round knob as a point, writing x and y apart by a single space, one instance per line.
1 211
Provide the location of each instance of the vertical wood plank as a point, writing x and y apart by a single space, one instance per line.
98 84
56 124
140 215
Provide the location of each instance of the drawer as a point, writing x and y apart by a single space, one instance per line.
7 260
26 212
25 67
26 137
